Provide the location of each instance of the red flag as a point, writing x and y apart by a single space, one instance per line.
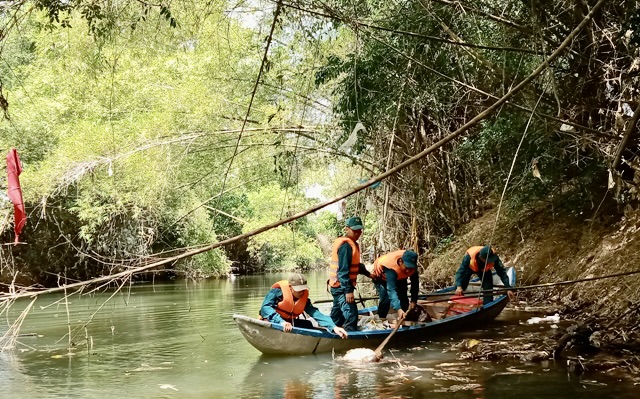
15 192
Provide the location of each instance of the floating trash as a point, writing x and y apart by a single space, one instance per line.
548 319
457 388
454 365
513 371
450 376
372 323
360 355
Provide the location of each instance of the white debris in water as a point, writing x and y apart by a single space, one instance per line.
454 365
548 319
360 355
594 382
451 375
457 388
513 371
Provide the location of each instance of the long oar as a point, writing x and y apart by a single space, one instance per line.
379 349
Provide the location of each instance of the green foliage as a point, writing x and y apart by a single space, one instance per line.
102 18
194 230
283 248
410 88
374 75
492 151
329 225
230 204
130 118
132 130
442 245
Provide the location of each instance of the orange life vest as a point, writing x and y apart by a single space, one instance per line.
390 261
290 308
355 262
473 264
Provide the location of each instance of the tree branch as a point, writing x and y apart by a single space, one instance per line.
358 23
482 115
626 137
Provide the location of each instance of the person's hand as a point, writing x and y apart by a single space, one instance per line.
341 332
459 291
401 314
511 295
288 326
412 305
350 297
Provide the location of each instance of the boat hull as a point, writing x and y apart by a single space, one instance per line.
270 338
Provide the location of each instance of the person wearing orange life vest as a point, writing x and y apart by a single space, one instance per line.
390 275
480 261
343 271
288 299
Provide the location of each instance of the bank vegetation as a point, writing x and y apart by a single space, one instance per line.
146 130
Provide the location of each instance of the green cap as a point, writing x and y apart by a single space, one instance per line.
410 259
354 223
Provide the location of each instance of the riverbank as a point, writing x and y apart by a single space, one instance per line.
548 245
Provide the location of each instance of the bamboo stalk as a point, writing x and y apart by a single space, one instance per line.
504 289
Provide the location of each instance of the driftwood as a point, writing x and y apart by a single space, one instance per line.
576 335
590 334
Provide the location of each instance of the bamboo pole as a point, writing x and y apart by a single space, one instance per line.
504 289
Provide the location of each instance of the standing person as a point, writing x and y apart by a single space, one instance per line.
288 299
343 271
390 275
480 261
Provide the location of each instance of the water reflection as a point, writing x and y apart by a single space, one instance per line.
321 377
178 340
310 377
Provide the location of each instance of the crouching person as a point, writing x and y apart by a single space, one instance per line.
390 275
288 299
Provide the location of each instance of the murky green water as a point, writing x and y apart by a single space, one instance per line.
178 340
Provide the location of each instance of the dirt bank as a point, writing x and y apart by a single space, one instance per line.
551 245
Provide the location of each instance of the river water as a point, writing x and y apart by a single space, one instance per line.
178 340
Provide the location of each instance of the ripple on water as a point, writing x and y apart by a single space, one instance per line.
179 340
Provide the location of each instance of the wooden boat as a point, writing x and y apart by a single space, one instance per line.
269 338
